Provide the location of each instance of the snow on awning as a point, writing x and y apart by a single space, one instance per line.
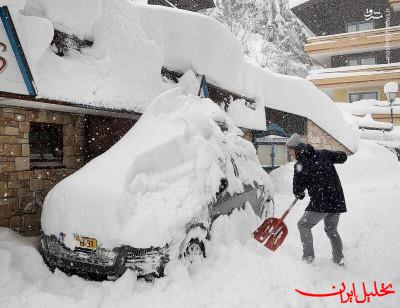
367 122
371 106
133 41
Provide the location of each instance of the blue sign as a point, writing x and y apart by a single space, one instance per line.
15 75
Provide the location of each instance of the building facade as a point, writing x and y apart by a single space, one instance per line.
357 42
39 148
43 140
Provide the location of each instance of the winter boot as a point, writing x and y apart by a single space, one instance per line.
308 260
339 262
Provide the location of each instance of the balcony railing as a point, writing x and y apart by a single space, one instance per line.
354 42
355 75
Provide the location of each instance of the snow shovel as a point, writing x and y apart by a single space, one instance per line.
273 231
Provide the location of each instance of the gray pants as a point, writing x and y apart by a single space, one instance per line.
309 220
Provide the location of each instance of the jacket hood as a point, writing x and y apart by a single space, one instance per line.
304 151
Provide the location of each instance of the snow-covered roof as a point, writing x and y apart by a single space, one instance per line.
132 41
368 122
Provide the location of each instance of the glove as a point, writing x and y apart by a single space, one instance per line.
301 196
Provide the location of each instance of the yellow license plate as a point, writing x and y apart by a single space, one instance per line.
86 242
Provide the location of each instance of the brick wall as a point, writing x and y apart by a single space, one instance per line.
22 189
320 139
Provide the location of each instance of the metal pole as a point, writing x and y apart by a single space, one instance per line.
391 110
391 113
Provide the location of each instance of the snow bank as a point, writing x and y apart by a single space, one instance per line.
368 122
190 41
133 41
371 106
252 117
72 16
161 179
220 57
238 272
121 70
390 139
299 96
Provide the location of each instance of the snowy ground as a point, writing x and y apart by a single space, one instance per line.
238 271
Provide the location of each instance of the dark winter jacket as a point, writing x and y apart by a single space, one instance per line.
315 172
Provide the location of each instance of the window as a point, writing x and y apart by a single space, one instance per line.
354 97
264 152
361 61
368 61
360 26
271 147
353 62
46 145
272 155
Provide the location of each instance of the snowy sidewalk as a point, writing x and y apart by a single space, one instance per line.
239 272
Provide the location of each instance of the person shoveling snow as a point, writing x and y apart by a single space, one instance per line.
315 171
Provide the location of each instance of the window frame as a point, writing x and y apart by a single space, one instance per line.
368 57
361 93
272 145
358 23
359 59
46 160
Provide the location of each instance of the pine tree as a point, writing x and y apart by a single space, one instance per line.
271 34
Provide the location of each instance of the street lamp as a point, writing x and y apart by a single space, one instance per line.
391 89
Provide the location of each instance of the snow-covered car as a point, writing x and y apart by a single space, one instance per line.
153 197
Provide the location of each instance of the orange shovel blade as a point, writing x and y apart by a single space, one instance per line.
271 233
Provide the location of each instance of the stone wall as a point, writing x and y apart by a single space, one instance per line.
320 139
22 188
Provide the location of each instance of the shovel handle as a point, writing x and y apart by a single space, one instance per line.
288 210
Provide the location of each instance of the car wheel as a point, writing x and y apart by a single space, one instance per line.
195 251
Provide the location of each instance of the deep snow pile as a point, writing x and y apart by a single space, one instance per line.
371 106
359 115
368 122
121 70
162 173
131 43
391 138
243 115
238 271
65 17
